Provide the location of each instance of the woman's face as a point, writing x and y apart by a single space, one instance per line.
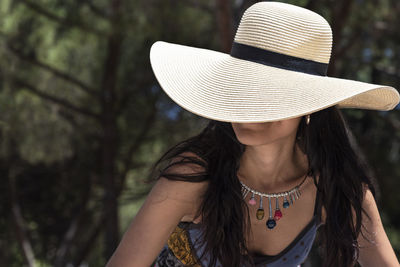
265 132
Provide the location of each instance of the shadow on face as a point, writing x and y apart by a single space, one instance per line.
266 132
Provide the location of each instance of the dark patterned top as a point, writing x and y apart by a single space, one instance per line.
183 248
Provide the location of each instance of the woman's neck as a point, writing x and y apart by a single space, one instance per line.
272 167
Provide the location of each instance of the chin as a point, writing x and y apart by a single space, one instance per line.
252 141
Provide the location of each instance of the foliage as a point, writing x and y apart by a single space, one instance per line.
83 116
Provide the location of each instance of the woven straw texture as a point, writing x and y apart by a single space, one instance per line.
218 86
286 29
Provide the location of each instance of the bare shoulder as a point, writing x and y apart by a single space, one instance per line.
379 251
167 203
182 191
181 165
368 201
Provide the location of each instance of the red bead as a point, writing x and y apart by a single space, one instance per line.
277 215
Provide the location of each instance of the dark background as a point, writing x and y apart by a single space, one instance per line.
82 116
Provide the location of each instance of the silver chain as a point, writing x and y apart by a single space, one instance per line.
295 191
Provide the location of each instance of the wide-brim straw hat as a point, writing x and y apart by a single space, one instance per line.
276 70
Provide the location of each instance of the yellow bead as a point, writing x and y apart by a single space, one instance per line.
260 214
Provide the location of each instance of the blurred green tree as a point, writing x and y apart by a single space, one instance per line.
84 117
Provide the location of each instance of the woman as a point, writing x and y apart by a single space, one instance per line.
274 163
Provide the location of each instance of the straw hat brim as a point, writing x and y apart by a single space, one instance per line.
218 86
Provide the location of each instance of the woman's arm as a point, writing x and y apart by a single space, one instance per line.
381 252
167 203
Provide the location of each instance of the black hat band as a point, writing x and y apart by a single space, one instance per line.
278 60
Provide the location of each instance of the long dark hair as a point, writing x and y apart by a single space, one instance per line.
343 177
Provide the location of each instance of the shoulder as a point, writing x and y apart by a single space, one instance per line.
167 203
379 251
185 192
368 204
374 246
187 163
370 207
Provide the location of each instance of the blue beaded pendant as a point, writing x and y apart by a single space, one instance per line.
285 203
271 223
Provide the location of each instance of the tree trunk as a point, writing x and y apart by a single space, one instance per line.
340 14
19 222
224 24
110 132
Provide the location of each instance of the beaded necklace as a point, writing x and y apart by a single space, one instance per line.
291 194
